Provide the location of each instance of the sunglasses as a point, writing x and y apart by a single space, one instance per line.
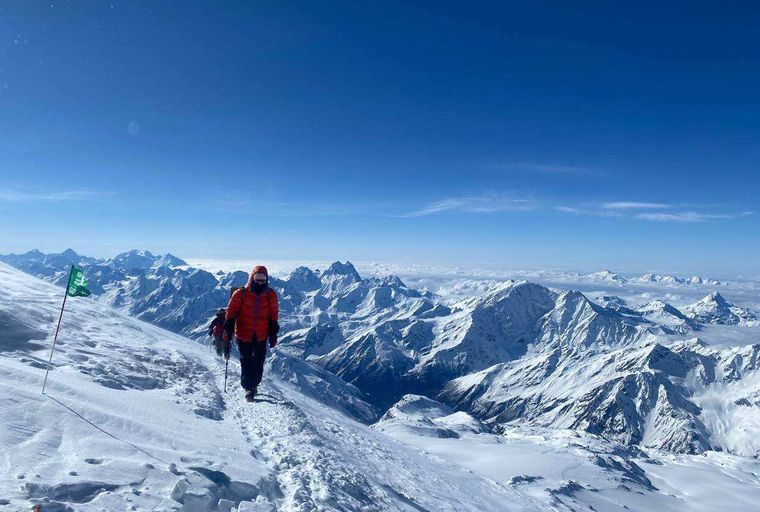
260 278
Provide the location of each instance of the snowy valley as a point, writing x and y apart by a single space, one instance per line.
563 391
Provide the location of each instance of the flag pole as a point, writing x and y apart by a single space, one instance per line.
60 317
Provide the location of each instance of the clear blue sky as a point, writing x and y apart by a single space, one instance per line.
606 134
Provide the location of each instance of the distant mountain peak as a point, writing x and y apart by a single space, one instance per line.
394 281
672 279
133 261
716 299
574 297
302 271
607 275
715 309
343 269
304 279
170 260
658 278
136 252
70 253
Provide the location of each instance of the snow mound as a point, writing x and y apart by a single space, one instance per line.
427 417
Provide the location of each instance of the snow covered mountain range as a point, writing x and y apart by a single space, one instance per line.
613 277
519 357
518 354
606 275
134 418
509 356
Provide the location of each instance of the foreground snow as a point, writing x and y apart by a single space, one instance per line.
134 419
579 471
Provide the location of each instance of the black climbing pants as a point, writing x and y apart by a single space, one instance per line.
218 345
252 355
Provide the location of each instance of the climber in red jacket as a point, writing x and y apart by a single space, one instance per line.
253 311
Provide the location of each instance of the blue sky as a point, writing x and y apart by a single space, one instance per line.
529 134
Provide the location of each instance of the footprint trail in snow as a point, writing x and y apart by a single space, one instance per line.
321 461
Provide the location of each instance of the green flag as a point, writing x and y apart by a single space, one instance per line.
77 284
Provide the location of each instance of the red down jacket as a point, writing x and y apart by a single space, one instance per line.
253 307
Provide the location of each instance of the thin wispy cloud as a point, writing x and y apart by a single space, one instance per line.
688 217
590 212
634 205
474 204
19 196
648 211
545 168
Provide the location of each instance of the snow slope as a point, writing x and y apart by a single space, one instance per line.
580 472
634 396
669 317
134 419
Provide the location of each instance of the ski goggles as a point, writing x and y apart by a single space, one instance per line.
260 278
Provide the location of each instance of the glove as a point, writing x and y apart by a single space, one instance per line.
274 328
226 346
229 329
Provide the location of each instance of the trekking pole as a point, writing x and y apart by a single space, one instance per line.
226 364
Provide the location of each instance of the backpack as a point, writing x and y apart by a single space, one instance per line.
218 328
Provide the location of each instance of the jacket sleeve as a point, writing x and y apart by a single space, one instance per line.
234 306
274 308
